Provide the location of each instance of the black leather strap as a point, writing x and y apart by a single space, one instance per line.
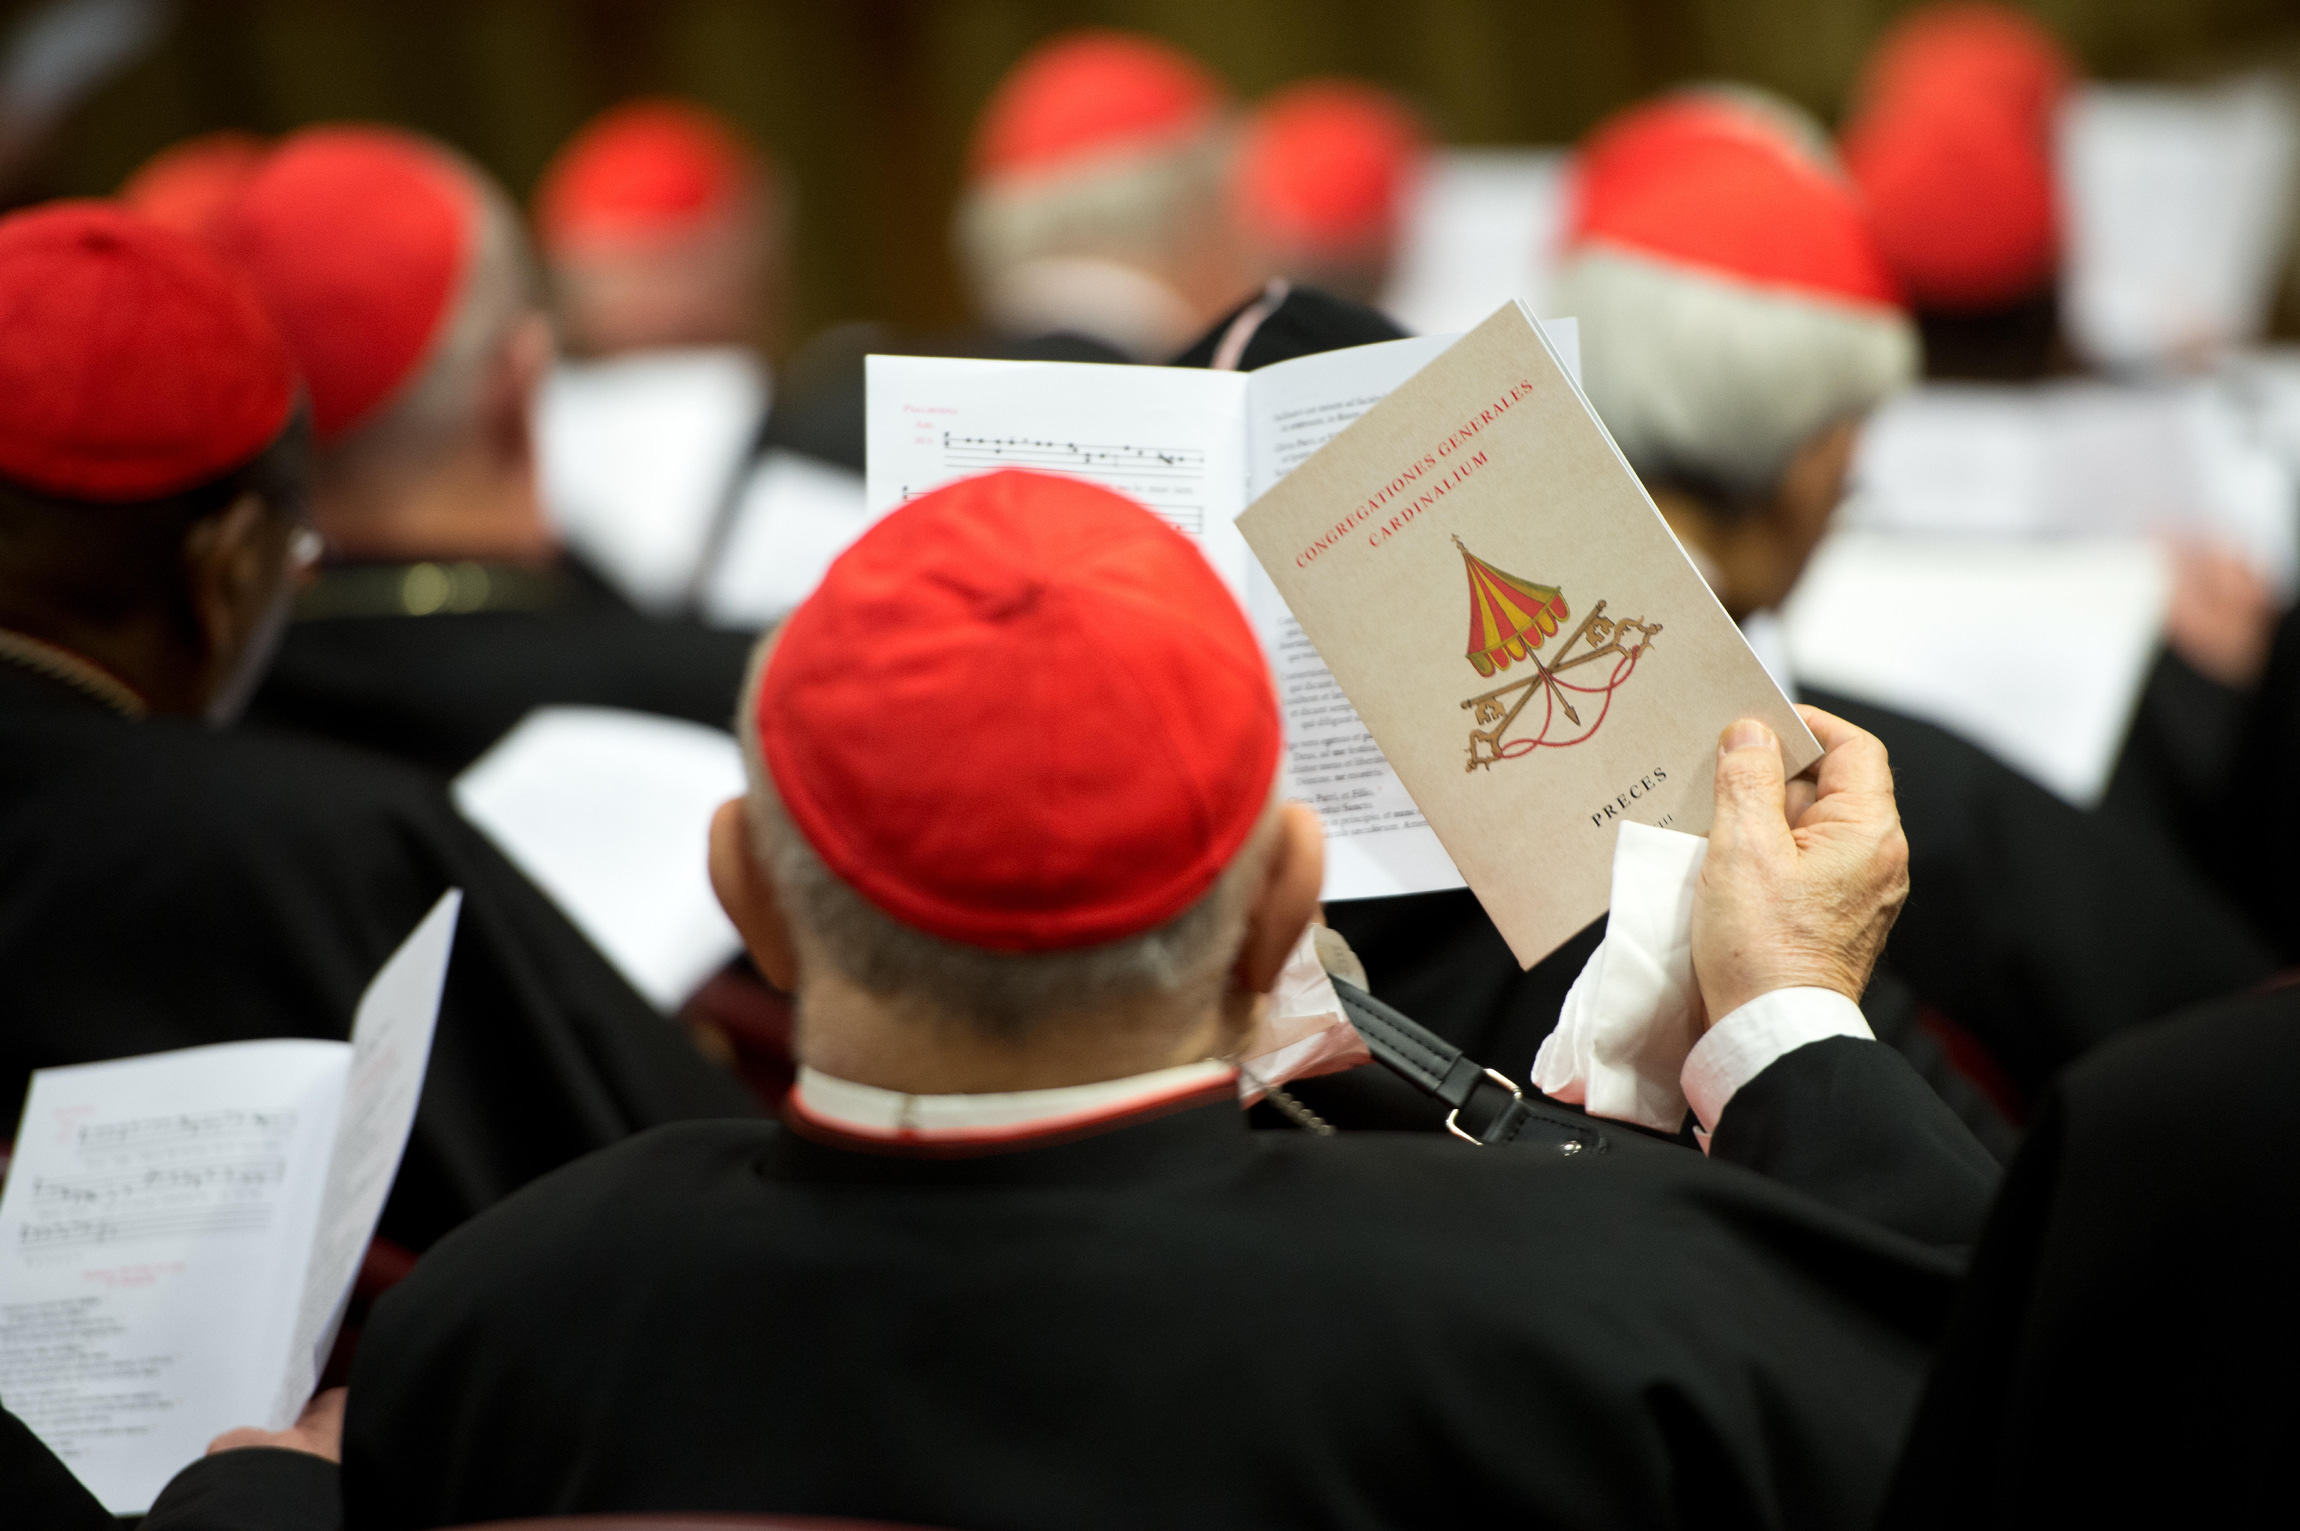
1487 1108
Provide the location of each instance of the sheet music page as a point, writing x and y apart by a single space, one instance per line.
390 1047
1173 438
610 813
154 1234
1377 842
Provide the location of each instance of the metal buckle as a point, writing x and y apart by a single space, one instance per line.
1498 1078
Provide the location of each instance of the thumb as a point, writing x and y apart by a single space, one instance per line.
1751 786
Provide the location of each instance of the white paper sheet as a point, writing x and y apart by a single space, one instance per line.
1173 438
1377 842
2178 460
636 455
172 1224
796 514
155 1231
1484 227
2178 207
390 1047
2034 651
609 812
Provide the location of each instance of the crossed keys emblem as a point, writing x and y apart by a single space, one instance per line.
1509 620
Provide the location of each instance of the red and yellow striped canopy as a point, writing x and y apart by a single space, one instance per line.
1508 616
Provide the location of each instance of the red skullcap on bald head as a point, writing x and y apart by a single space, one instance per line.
187 186
1021 713
133 363
1710 181
1951 143
1088 94
1323 167
359 239
644 170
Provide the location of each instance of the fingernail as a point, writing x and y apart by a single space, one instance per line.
1748 734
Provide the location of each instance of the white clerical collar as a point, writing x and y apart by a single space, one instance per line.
890 1116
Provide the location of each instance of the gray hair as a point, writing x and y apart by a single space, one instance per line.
1129 206
1181 965
433 408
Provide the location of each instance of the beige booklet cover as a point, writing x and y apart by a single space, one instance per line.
1505 608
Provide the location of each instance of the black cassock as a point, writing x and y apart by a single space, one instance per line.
1179 1322
2124 1351
164 885
432 663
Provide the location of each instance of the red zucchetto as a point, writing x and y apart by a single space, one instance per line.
1733 301
1718 182
187 186
645 172
1323 168
133 363
358 238
1089 95
1022 713
1951 141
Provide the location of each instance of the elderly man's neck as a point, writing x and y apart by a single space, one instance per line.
848 1032
464 506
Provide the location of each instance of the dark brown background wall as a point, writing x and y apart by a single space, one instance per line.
867 102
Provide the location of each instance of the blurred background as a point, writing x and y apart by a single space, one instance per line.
868 103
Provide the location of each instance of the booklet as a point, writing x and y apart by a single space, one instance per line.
1197 447
180 1231
609 812
1483 497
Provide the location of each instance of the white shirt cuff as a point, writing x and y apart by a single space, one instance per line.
1750 1040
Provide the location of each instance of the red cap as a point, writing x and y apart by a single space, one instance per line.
187 186
1323 167
1712 181
1022 713
1092 93
643 171
1951 142
358 238
133 363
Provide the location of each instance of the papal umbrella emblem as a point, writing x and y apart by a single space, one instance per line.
1509 620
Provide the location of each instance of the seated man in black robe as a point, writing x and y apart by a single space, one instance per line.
446 610
170 883
2035 928
1015 1260
2119 1354
1735 374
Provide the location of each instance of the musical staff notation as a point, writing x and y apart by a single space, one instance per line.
164 1177
1168 479
981 454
